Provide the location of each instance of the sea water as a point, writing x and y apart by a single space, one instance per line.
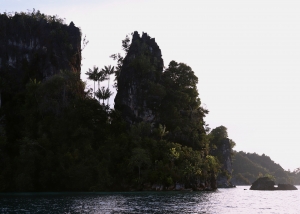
234 200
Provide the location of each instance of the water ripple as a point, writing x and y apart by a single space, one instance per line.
235 200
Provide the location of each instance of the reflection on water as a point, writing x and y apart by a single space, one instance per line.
235 200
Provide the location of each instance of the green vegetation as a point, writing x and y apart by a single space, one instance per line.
247 167
35 16
55 136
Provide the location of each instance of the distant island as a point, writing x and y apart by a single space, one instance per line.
247 167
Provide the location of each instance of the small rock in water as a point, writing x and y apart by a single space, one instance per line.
265 183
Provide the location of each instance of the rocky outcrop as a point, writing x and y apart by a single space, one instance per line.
37 46
286 187
224 154
265 183
142 69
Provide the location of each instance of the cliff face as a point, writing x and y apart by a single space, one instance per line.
142 68
224 154
36 46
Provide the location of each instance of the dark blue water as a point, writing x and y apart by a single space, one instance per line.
236 200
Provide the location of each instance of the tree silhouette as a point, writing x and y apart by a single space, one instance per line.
103 93
93 75
102 76
108 70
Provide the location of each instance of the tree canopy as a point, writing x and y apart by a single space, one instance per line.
56 136
247 167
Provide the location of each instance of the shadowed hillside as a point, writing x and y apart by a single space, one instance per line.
247 167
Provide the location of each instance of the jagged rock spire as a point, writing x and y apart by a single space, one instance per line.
142 67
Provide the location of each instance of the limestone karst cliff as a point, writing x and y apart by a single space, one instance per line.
36 46
224 153
142 66
58 138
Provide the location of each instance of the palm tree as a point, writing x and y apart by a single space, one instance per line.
93 75
101 77
108 70
103 94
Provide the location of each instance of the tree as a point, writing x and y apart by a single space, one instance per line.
93 75
108 70
139 158
119 58
99 76
126 44
102 76
103 93
219 132
181 76
161 131
180 108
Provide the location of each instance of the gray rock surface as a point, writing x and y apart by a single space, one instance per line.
225 152
142 66
34 48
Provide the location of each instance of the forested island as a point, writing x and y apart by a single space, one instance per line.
57 135
247 167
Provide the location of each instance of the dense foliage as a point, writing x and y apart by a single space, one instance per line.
55 136
180 108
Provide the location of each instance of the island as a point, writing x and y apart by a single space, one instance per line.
266 183
58 134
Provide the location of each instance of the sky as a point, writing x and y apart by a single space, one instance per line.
246 54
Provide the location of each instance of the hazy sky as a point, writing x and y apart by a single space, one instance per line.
246 54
